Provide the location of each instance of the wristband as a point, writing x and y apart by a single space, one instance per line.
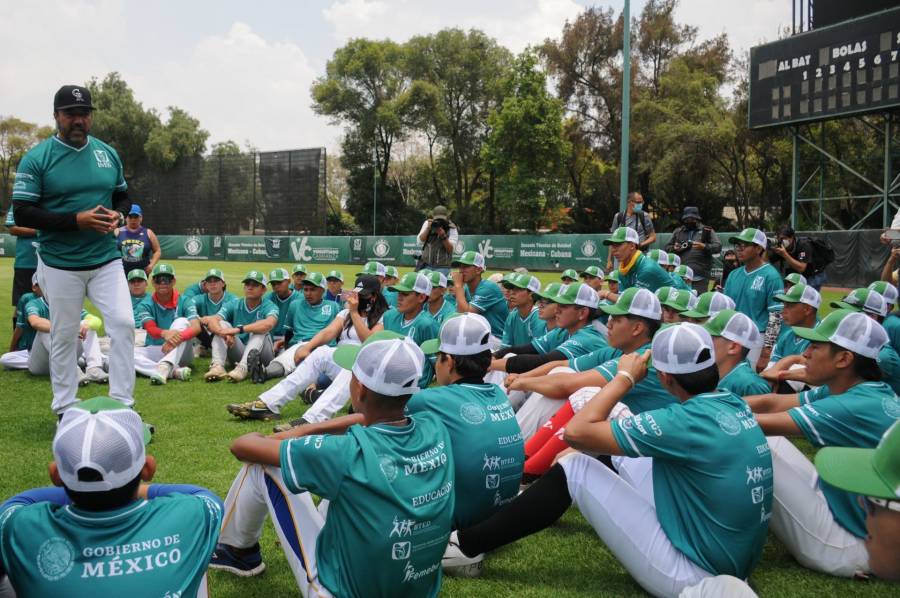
627 376
241 329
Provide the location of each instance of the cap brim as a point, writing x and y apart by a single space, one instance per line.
810 334
456 263
88 106
399 288
785 299
613 310
843 305
430 347
851 469
148 433
345 355
251 280
612 242
691 313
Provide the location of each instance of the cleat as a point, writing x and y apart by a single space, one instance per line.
457 564
96 374
216 372
255 369
226 558
161 375
311 394
238 374
83 380
252 410
183 374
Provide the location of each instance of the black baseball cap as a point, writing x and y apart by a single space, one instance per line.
367 285
72 96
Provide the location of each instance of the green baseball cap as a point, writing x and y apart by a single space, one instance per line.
214 273
870 472
849 329
659 256
412 282
425 271
709 304
162 270
299 268
685 272
315 279
437 279
550 291
373 269
335 274
863 300
614 276
635 302
750 235
470 258
578 294
570 273
279 274
623 234
801 293
138 274
594 271
254 276
886 289
680 300
795 278
734 326
391 271
345 355
525 281
507 279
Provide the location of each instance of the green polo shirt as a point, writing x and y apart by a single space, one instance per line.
26 255
644 274
754 292
519 330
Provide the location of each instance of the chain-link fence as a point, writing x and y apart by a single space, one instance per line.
262 193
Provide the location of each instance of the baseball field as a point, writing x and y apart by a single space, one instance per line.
191 446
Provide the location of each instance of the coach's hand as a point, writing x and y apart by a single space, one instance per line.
97 219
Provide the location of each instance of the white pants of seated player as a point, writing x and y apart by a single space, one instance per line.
106 288
37 360
237 353
537 409
257 491
146 359
320 361
286 358
621 510
516 397
802 520
718 587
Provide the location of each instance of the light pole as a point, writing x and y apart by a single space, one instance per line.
626 106
374 187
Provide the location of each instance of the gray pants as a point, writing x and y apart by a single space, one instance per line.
237 353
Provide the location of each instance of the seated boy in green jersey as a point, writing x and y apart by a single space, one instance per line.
801 305
522 324
102 532
387 480
137 290
207 305
473 294
734 335
440 306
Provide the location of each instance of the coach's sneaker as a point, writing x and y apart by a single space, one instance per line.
245 562
290 425
238 374
183 374
83 379
216 372
255 369
161 375
96 374
457 564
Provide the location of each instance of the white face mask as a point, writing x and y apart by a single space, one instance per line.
786 243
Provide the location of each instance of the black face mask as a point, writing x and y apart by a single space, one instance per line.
691 225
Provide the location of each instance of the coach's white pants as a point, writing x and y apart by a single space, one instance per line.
802 520
286 358
258 490
624 516
146 359
319 361
65 291
237 353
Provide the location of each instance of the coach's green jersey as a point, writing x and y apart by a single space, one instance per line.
892 326
151 310
283 305
594 358
678 282
60 178
152 547
27 337
447 309
193 290
644 274
712 478
857 418
390 297
419 329
754 292
238 313
487 445
520 331
204 306
889 364
392 494
26 256
305 320
743 381
135 302
488 299
647 394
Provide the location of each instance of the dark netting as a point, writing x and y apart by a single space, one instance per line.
267 193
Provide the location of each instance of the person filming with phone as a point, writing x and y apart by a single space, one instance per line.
438 237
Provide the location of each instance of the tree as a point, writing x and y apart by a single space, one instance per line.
16 138
178 138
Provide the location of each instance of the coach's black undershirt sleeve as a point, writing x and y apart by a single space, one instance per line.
120 202
519 364
526 349
32 216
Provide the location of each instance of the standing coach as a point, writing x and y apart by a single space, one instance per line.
72 189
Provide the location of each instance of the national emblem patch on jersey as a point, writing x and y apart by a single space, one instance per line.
102 158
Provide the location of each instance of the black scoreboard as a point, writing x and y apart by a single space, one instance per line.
848 68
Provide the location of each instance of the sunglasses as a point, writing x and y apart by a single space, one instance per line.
163 279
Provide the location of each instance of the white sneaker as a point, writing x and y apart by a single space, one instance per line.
457 564
183 374
96 374
83 379
161 375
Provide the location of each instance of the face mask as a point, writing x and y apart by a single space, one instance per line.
786 243
691 224
638 208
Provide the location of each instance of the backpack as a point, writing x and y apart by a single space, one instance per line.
619 220
822 253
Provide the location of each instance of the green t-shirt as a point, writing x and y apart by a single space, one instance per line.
204 306
194 290
419 329
519 330
647 394
392 497
678 282
754 292
712 478
27 337
550 341
305 320
150 310
390 297
644 274
743 381
489 301
487 445
788 343
889 364
26 256
594 358
36 306
283 305
135 302
892 327
237 313
60 178
586 339
447 309
857 418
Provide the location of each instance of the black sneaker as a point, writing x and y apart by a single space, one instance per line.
311 394
255 369
225 558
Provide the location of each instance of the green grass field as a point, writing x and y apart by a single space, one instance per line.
191 446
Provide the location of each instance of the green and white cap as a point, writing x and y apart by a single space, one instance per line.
594 271
751 235
279 274
437 279
801 293
795 278
623 234
614 276
413 282
104 435
659 256
577 294
525 281
550 291
506 281
387 363
373 269
569 273
161 269
462 334
674 259
136 274
299 268
870 472
336 274
736 327
886 289
685 272
315 279
679 349
635 302
214 273
849 329
470 258
863 300
680 300
254 276
391 271
709 304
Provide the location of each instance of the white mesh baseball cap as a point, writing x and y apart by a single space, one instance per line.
709 304
413 282
850 329
659 256
795 278
886 289
635 302
469 258
735 326
685 272
437 279
623 234
678 349
387 363
100 434
674 259
463 334
751 235
577 294
863 300
801 293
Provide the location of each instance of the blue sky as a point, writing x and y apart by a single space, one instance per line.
244 68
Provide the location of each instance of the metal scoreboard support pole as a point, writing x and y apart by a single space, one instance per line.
626 106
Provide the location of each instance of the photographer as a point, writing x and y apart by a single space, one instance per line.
695 244
438 237
792 254
634 217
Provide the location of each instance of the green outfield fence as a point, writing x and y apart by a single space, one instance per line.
860 255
